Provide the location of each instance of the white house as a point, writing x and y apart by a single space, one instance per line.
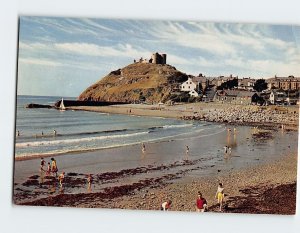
277 97
188 85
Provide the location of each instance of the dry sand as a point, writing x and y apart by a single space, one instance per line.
268 188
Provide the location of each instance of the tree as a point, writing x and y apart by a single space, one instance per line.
260 85
230 84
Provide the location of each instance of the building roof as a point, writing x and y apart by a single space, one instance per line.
236 93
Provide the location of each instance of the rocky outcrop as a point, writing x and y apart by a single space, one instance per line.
37 106
137 82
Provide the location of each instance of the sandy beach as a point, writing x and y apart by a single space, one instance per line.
264 189
267 189
259 175
251 184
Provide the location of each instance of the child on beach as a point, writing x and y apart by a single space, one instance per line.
89 180
54 168
165 206
48 172
42 165
201 203
220 195
61 178
187 150
225 149
143 148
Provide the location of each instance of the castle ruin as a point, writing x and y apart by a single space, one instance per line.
159 58
156 58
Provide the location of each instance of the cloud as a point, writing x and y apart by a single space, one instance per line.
89 49
43 62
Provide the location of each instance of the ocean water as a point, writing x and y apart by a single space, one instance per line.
79 131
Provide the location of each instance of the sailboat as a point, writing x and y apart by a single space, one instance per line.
62 106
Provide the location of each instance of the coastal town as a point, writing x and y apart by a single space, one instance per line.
233 89
263 107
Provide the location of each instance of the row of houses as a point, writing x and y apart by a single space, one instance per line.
244 92
195 84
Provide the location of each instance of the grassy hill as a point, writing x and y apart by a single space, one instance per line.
138 81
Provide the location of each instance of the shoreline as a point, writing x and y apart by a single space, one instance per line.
267 117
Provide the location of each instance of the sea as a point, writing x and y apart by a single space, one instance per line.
93 142
79 131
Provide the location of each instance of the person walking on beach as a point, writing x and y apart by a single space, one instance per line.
90 181
187 150
143 148
61 178
225 149
54 133
48 171
220 195
165 206
42 165
54 168
201 203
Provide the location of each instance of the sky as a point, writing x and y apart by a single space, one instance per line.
64 56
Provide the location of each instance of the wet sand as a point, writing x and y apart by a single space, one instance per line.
265 189
126 178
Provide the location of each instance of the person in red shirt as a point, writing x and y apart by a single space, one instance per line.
201 203
166 205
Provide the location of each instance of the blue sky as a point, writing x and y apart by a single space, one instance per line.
63 56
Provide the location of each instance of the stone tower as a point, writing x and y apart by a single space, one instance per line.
159 58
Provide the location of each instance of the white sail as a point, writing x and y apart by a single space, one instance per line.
62 106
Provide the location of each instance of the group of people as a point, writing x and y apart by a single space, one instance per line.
227 150
51 170
51 167
201 203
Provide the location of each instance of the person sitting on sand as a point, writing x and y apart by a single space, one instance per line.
220 195
61 178
201 203
165 206
54 168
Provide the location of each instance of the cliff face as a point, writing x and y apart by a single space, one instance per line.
136 82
